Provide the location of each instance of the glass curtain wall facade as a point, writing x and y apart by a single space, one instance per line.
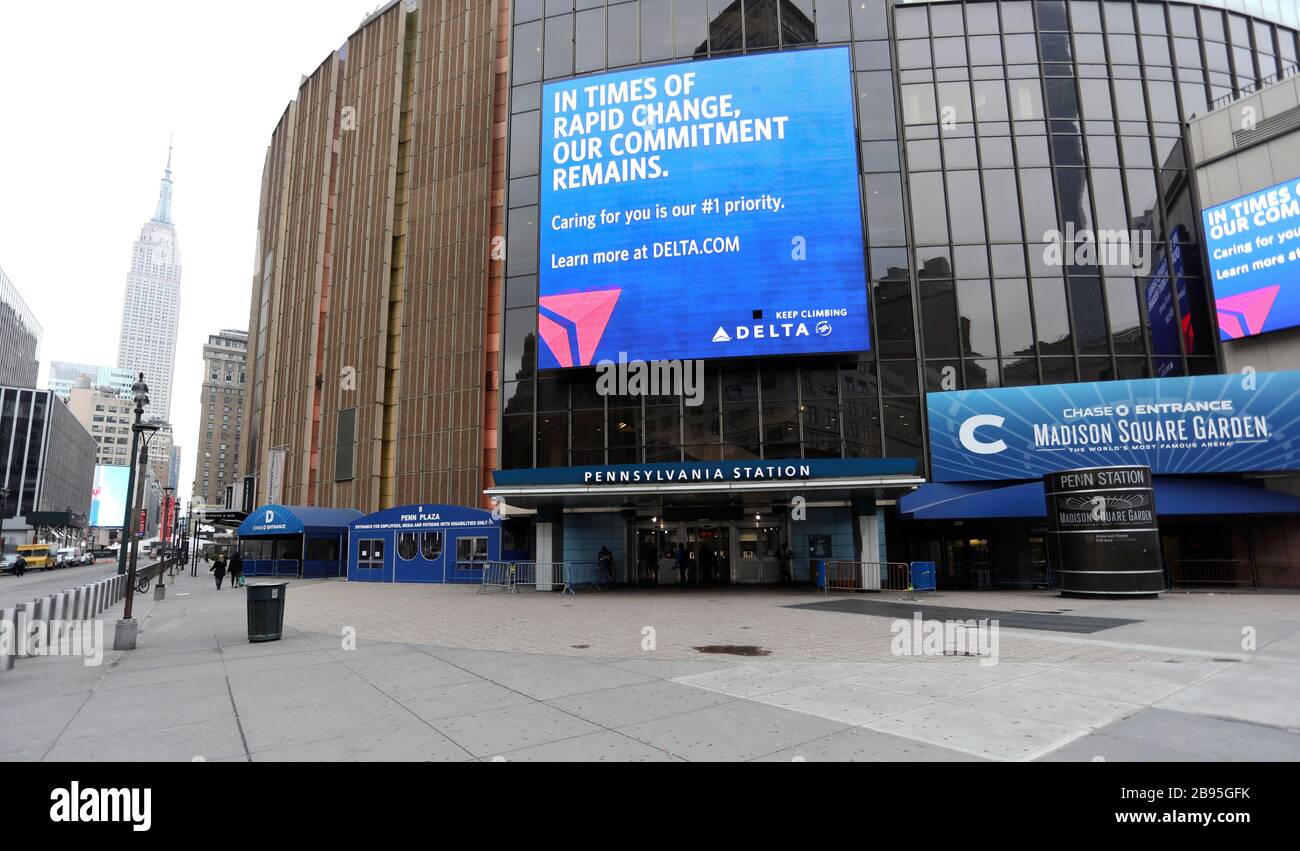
984 128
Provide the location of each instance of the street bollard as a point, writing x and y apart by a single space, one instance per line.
94 600
83 611
23 620
10 620
74 601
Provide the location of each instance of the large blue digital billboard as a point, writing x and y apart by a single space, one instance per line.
1206 424
1253 243
702 209
108 496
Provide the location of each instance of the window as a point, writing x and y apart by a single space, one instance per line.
431 546
370 553
406 545
471 552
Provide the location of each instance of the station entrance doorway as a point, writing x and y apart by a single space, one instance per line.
716 553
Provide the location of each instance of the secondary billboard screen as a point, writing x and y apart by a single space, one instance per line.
702 209
1253 243
1246 422
108 496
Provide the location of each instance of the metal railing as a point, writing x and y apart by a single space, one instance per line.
1237 572
866 576
496 574
567 577
1252 87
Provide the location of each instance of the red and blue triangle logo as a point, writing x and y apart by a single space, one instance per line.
572 324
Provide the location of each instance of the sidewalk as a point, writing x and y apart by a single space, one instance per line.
196 689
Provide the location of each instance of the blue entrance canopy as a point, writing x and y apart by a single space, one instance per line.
274 520
1175 496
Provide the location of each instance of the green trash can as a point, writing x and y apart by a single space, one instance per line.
266 610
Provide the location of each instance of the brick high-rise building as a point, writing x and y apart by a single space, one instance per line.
216 460
373 323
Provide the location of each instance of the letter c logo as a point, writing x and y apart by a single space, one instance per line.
972 442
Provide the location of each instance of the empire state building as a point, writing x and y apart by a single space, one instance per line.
147 341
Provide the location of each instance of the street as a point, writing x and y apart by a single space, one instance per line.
43 583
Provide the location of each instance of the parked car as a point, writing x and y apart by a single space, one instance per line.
7 562
39 556
67 557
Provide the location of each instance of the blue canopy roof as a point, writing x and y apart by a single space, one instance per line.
1175 496
270 521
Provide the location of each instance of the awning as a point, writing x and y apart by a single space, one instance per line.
1176 496
270 521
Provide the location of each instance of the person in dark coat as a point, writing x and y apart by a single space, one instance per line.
683 563
20 566
606 561
218 569
236 569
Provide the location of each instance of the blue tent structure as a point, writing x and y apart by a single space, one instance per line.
295 540
423 543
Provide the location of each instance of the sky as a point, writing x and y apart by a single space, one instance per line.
90 93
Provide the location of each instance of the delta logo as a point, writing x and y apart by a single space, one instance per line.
571 325
770 331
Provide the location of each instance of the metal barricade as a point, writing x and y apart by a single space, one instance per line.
897 576
496 574
567 577
581 575
922 576
1227 572
866 576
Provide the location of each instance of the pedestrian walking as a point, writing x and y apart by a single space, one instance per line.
606 561
681 565
236 569
20 566
218 569
787 559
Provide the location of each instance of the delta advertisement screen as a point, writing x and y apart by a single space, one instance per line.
1253 243
108 496
702 209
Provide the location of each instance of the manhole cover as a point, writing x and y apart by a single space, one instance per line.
734 649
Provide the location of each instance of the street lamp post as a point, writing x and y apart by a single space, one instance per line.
160 590
4 509
140 393
124 635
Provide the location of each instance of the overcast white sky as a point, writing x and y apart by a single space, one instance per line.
89 93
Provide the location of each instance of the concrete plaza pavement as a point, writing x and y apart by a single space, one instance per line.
376 672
